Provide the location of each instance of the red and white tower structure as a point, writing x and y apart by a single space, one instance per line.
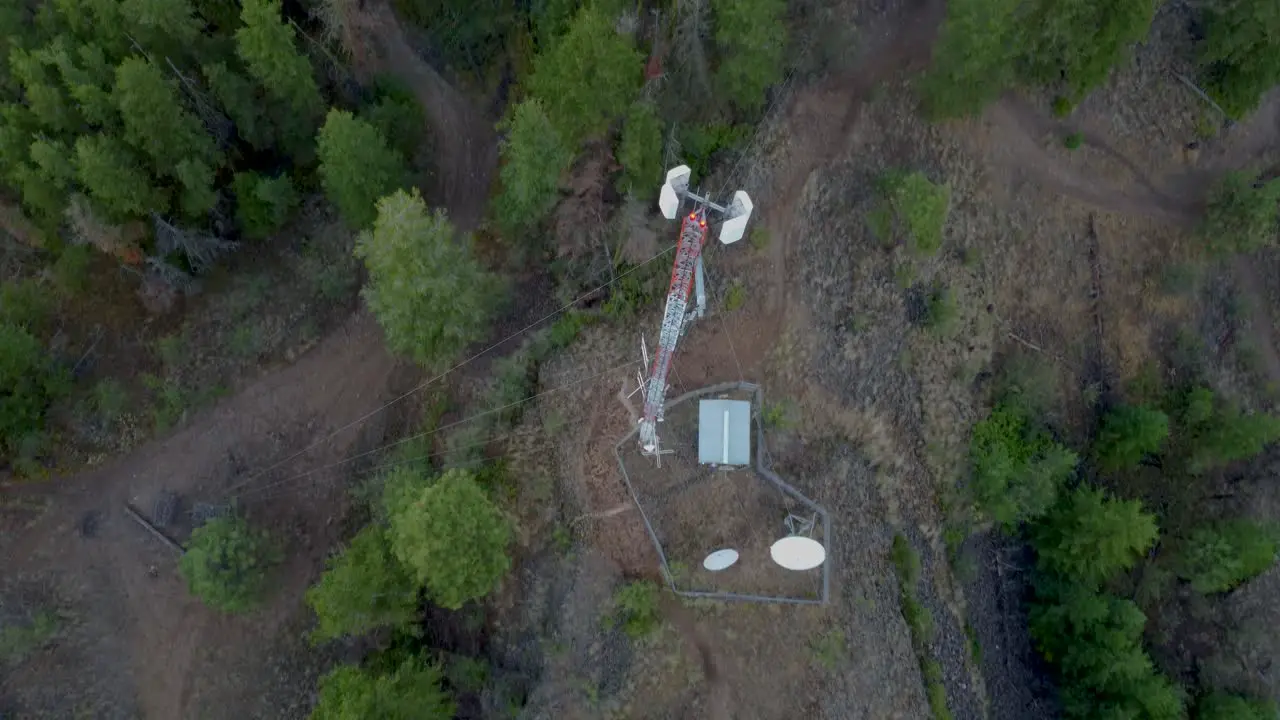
686 276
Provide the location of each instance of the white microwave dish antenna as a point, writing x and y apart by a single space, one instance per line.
796 552
720 560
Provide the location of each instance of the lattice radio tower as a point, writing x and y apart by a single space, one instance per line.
686 275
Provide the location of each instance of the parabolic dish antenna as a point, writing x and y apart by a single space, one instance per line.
720 560
797 552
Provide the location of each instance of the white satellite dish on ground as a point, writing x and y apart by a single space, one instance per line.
796 552
720 560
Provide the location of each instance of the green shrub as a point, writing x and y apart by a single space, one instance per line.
1073 141
364 588
1128 435
1219 705
428 291
29 382
450 536
1219 556
412 691
1241 214
226 563
919 207
940 311
635 608
1088 537
263 204
906 561
1017 471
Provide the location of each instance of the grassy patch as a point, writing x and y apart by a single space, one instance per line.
759 237
17 642
735 297
920 621
829 649
934 689
940 311
779 415
919 207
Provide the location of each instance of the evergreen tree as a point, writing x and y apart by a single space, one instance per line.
411 692
533 159
587 78
263 204
1242 214
242 102
1077 42
750 37
640 152
87 76
1128 435
28 383
155 120
1088 537
1017 471
363 589
114 179
357 167
43 94
1219 556
1220 705
426 288
972 58
1240 53
266 44
225 564
452 538
163 25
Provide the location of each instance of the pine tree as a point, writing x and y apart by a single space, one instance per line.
155 120
533 159
242 102
163 24
1088 537
114 179
266 44
429 293
750 37
1241 215
1218 556
263 204
640 153
1128 435
410 692
587 78
363 589
452 538
1240 53
357 167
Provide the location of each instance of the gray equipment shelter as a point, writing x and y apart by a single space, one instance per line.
724 432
